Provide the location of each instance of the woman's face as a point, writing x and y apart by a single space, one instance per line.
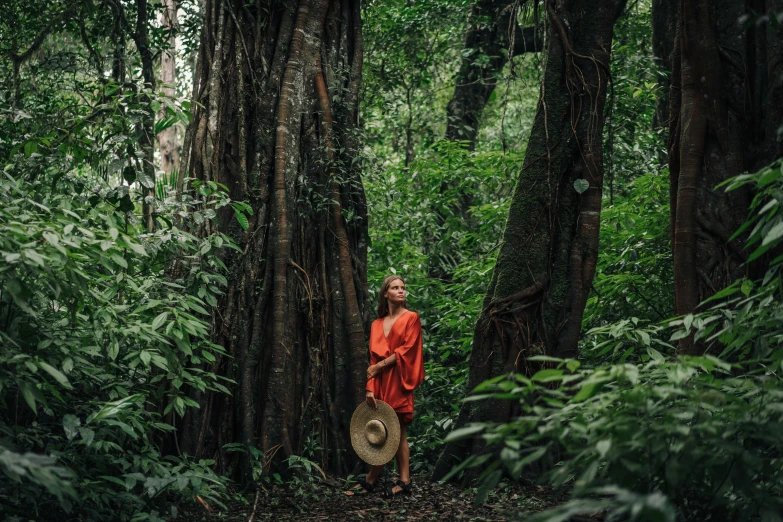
396 292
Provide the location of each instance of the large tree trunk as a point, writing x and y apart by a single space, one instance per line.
167 138
725 109
295 313
548 256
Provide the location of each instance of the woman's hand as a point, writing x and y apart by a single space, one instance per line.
370 398
372 371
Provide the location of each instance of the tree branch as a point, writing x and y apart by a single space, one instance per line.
23 57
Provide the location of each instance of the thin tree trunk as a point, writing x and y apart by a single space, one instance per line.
493 37
146 135
721 126
664 28
488 43
295 314
536 299
168 143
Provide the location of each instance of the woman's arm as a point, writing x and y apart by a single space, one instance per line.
375 369
389 361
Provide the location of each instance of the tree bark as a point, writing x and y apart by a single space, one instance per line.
168 143
546 264
294 317
723 123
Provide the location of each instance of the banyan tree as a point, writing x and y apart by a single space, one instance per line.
275 95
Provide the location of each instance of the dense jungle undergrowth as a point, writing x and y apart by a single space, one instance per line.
389 138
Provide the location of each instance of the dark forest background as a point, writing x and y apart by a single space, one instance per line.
199 200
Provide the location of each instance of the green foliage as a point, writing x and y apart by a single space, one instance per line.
634 274
104 327
98 346
411 55
669 436
652 437
633 145
421 223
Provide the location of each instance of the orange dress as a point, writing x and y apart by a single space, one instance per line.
395 385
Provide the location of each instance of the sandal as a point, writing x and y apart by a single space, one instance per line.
362 487
405 489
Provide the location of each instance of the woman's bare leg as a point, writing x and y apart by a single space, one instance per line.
403 457
373 474
371 477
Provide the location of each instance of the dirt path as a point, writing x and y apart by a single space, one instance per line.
428 502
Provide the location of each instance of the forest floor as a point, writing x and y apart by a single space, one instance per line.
429 501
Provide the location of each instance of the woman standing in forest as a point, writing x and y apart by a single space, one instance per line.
396 370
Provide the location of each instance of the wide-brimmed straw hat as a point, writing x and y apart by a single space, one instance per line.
375 433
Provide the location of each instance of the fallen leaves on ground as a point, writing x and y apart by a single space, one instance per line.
429 501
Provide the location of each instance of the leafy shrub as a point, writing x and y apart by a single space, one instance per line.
694 438
675 436
99 346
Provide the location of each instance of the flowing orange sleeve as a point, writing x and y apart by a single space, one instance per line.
374 384
410 359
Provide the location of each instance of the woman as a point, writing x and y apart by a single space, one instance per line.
396 369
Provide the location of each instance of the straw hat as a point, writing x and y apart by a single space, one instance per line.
375 433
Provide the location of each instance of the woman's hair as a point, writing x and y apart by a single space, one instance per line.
383 305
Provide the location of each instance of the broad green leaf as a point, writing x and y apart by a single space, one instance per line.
54 372
603 447
35 257
145 357
770 176
114 350
117 258
548 375
115 480
581 185
729 290
145 180
774 233
71 424
585 392
87 435
242 219
655 354
159 320
29 396
461 433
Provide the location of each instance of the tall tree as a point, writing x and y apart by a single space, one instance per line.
664 27
492 36
167 138
146 132
277 88
547 260
726 108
